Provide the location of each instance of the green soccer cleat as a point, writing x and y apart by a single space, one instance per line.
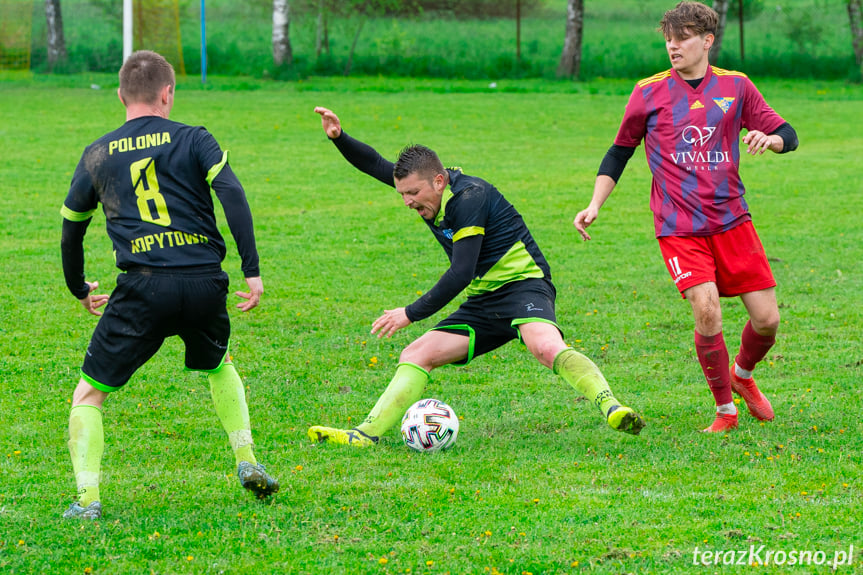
622 418
75 511
353 437
256 479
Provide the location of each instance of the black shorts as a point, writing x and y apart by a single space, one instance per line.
491 319
151 304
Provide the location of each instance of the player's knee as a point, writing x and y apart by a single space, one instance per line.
766 324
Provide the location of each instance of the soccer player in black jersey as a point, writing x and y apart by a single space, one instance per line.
153 178
494 259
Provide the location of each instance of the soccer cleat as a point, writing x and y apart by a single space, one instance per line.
75 511
353 437
723 422
756 402
255 478
622 418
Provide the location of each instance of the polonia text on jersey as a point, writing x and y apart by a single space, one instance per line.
139 143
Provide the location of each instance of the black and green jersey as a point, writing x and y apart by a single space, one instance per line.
153 178
483 235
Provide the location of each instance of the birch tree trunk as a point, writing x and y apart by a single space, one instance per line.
570 58
721 8
56 40
282 54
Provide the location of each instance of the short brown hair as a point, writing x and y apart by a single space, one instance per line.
417 159
143 76
689 18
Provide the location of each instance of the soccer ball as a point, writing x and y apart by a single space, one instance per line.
429 425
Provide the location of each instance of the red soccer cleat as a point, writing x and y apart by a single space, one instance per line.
757 404
723 422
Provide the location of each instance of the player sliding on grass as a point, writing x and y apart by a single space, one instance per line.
494 258
690 118
153 177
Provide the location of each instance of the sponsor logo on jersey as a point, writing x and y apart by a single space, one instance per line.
695 159
696 105
724 103
447 233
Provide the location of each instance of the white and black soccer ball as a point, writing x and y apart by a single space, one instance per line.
429 425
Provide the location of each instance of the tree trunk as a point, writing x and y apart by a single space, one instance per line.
721 8
282 54
518 30
319 34
855 15
56 40
354 46
570 58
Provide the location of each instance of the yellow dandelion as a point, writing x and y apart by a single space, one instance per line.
574 564
487 533
88 569
189 558
536 500
16 452
383 560
429 563
299 468
20 542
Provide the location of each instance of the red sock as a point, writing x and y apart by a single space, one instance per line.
713 357
753 347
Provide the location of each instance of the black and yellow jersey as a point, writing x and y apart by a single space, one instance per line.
483 235
153 178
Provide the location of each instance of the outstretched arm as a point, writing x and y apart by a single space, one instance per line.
362 156
452 282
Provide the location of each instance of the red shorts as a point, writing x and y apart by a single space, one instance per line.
734 260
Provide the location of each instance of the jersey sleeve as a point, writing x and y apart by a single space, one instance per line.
757 113
365 158
465 254
233 199
633 127
77 211
469 216
81 201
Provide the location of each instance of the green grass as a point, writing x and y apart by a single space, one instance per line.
620 41
536 483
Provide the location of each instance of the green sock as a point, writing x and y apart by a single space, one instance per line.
404 390
229 397
86 446
585 377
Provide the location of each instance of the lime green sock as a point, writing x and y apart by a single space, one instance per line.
583 375
229 398
86 446
405 389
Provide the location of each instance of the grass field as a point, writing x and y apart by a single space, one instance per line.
537 483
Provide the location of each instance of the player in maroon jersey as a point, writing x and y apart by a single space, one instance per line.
690 118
